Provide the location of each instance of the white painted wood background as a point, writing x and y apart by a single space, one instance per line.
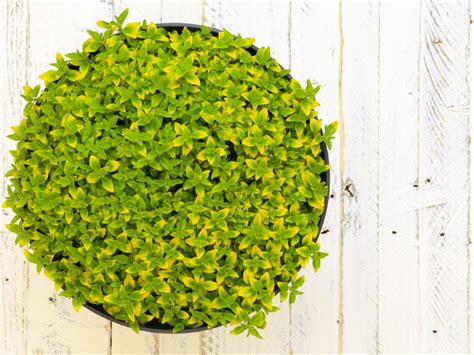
396 74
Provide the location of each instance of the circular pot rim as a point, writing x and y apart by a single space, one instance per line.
155 326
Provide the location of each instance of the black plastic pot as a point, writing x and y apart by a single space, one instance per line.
155 326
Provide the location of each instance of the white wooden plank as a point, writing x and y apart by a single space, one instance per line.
444 159
314 55
138 10
125 341
471 179
13 268
399 294
267 22
188 11
184 11
360 173
53 326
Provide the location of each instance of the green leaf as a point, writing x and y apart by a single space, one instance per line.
263 55
329 131
162 286
246 242
121 18
167 316
188 281
193 79
258 320
49 76
254 332
299 282
113 165
77 303
306 106
108 185
245 291
210 285
103 24
94 162
251 163
199 134
239 329
265 279
129 282
91 45
94 177
131 29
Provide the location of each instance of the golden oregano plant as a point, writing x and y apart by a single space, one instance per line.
170 175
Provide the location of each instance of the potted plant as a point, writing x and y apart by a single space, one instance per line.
170 177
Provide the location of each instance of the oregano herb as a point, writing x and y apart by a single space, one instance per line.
170 175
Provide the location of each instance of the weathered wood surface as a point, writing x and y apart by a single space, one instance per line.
396 75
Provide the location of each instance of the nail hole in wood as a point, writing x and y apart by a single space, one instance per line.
7 279
325 231
442 234
415 185
428 180
332 196
394 232
435 331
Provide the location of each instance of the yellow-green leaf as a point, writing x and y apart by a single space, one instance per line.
91 45
210 285
131 29
129 281
188 281
113 165
94 162
137 309
108 185
49 76
199 134
193 79
245 291
306 106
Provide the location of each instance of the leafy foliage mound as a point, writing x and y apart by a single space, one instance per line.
170 175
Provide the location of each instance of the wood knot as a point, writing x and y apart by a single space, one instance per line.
348 189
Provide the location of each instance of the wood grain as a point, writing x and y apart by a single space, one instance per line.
13 268
359 169
314 55
444 159
471 178
399 294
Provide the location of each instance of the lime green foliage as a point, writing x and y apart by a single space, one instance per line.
170 175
